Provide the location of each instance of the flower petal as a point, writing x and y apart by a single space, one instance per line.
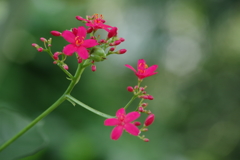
69 49
120 112
151 69
141 61
69 36
132 129
130 67
116 132
89 43
82 32
131 117
111 122
82 52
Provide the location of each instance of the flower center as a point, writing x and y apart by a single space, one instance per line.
79 40
142 67
121 119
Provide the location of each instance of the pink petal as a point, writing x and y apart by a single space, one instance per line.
132 129
131 117
120 112
82 32
116 132
69 36
82 52
89 43
151 69
140 61
69 49
111 122
128 66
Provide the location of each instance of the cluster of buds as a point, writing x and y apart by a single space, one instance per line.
95 49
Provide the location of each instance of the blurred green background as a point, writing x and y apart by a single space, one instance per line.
196 44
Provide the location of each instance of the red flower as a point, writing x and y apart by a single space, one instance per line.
123 122
98 23
143 70
78 42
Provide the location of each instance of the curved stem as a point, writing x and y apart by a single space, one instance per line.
72 99
74 81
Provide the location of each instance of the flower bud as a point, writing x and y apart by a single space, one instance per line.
89 30
122 51
144 130
140 109
80 18
65 66
144 104
98 54
130 89
141 89
137 123
112 49
43 39
112 32
55 55
35 45
149 120
94 68
102 41
150 97
122 39
146 140
56 33
40 49
117 42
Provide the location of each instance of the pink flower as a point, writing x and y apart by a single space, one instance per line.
78 42
143 70
122 122
98 23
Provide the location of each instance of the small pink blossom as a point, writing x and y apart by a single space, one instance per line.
98 23
143 70
112 32
122 122
78 42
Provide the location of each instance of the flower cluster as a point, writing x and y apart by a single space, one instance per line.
122 120
90 48
85 43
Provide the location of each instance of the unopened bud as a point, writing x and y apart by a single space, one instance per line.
80 18
149 120
144 130
55 55
140 109
43 39
94 68
141 89
146 140
40 49
35 45
89 30
144 104
122 39
65 66
56 33
130 89
112 49
150 97
117 42
102 41
137 123
122 51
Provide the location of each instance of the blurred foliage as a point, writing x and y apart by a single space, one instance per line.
196 45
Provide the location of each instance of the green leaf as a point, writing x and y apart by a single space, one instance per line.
29 143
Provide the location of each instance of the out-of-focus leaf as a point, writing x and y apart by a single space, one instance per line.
29 143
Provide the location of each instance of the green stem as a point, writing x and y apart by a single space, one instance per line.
74 81
131 100
72 99
41 116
